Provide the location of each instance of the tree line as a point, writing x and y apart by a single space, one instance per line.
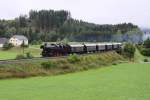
51 25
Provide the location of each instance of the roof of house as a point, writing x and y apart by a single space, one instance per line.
20 37
3 40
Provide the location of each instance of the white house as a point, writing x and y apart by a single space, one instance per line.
3 41
17 40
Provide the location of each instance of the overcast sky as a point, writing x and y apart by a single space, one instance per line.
96 11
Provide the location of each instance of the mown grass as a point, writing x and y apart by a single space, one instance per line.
118 82
58 66
12 53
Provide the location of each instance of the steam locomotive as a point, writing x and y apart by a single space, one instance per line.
53 50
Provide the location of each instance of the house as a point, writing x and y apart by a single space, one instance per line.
17 40
3 41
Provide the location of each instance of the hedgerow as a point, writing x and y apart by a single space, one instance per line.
70 64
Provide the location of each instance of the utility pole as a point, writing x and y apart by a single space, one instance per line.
23 46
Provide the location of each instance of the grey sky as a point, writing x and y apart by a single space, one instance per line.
96 11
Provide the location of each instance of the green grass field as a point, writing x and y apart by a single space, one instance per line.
12 53
119 82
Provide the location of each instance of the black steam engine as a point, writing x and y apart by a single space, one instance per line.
52 50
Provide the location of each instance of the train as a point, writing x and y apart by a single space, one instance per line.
53 50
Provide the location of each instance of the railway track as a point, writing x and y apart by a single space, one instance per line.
35 59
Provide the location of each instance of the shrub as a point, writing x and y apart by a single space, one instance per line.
145 48
29 55
129 50
139 47
145 51
145 60
48 65
58 66
7 46
146 43
114 63
119 51
20 56
34 42
73 58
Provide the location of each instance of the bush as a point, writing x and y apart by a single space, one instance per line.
146 43
58 66
145 48
48 65
145 60
34 42
114 63
145 51
129 50
29 55
73 58
7 46
20 56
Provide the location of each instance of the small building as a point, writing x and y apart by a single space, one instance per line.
17 40
3 41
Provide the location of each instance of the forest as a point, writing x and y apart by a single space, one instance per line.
52 25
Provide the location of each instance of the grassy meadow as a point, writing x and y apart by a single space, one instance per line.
12 53
118 82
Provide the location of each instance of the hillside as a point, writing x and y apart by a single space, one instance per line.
51 25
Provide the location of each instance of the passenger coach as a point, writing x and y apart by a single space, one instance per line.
51 50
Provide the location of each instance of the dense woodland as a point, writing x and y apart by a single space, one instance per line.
50 25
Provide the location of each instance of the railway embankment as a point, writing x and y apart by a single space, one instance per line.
56 66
